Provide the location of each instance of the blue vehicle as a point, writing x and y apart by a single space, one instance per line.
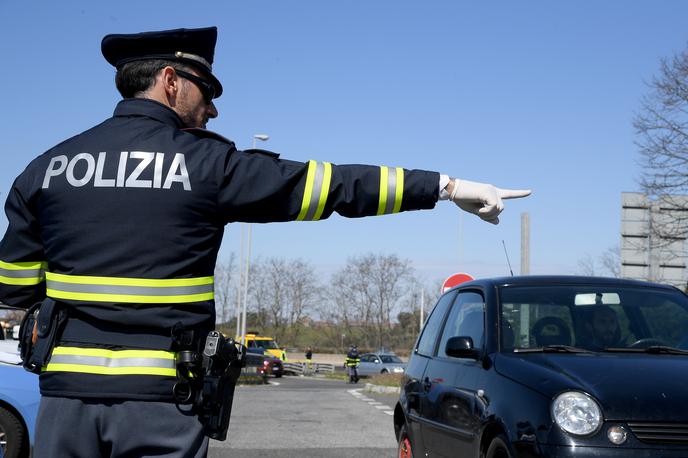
19 399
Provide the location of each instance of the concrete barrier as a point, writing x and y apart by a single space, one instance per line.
305 368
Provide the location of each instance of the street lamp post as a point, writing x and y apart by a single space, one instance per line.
262 138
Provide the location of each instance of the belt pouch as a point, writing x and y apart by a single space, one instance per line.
49 320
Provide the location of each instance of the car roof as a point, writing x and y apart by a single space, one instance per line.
551 280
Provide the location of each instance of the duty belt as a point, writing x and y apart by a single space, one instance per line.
129 290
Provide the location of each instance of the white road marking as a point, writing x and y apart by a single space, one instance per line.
378 405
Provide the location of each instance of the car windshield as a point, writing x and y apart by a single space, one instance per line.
267 344
590 317
390 359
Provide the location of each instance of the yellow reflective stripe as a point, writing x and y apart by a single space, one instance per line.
21 281
310 179
399 190
104 353
383 190
122 281
22 265
96 297
324 191
100 370
22 273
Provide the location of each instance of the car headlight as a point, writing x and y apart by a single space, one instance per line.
398 369
577 413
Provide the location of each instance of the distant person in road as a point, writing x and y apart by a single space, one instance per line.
309 358
353 359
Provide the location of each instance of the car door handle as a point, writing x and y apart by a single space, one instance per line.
427 384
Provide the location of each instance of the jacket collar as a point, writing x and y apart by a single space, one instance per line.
148 108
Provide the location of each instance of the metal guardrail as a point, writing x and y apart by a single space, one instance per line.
304 368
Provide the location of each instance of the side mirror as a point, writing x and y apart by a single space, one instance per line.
461 347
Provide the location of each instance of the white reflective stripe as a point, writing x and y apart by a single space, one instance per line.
316 191
129 290
34 273
317 188
113 362
391 190
101 361
22 273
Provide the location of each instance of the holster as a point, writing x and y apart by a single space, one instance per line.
48 317
207 381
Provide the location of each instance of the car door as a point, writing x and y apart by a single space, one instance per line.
375 365
450 425
412 388
364 366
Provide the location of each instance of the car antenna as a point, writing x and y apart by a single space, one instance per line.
507 258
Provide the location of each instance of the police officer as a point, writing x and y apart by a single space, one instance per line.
353 360
120 227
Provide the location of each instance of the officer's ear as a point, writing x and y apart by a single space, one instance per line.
171 84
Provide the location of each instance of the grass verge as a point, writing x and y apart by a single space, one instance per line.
386 380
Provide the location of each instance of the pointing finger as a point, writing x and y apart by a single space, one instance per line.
513 193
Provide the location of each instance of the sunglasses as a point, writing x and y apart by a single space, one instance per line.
206 88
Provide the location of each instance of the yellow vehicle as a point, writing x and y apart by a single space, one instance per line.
255 341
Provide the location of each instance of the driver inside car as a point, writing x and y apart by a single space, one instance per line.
604 328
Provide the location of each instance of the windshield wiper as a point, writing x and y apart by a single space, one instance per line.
553 349
653 349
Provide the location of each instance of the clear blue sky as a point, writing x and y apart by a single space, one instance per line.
535 94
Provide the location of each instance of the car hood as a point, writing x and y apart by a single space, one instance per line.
630 387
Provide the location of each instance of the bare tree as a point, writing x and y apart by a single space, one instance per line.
662 128
268 293
611 261
302 294
225 288
368 289
607 264
586 265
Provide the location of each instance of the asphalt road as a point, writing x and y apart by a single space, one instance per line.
308 417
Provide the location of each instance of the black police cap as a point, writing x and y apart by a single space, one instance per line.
190 46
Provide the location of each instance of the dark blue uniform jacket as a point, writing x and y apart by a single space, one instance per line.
122 223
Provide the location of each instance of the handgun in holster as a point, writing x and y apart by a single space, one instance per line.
208 380
47 318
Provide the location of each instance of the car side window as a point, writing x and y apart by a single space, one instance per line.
466 319
365 359
431 330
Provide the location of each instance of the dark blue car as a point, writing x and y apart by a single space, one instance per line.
549 367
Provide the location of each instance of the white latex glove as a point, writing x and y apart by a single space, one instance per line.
482 199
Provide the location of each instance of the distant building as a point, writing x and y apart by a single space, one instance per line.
644 254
